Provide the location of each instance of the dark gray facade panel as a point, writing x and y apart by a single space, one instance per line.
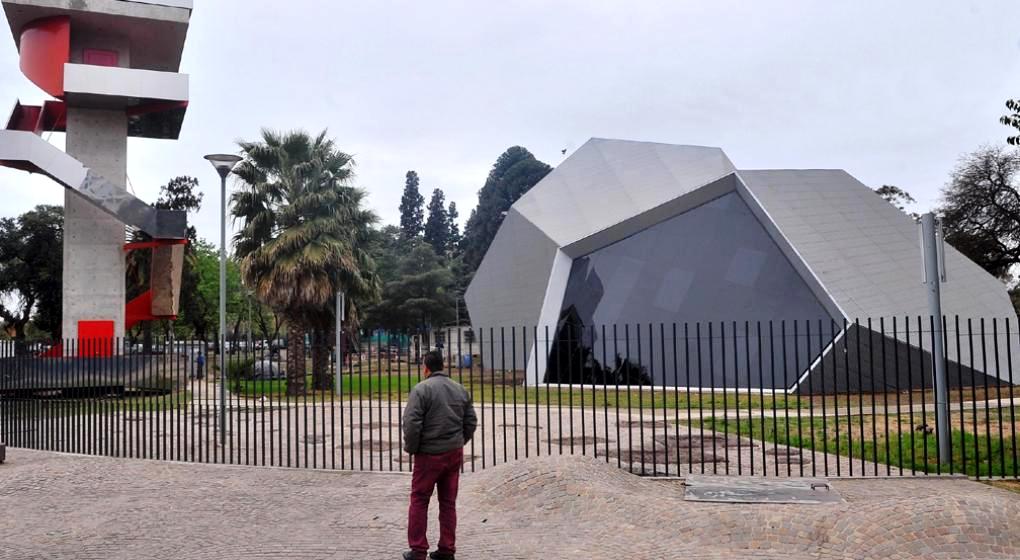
869 361
707 267
643 221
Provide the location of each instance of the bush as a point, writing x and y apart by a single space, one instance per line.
239 369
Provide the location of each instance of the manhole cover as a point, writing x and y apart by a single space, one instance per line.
757 490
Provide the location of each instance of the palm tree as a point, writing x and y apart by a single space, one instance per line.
303 234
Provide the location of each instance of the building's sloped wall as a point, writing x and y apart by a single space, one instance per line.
714 264
509 287
867 361
865 253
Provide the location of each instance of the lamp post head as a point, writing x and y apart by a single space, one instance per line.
224 163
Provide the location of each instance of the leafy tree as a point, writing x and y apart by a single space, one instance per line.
514 173
385 247
31 264
454 228
419 295
437 227
412 208
1012 120
981 209
895 196
182 194
305 236
203 316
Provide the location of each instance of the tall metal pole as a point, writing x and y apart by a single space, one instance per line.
224 164
223 308
340 309
934 275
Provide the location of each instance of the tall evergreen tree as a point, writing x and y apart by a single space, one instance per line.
437 227
452 215
514 173
412 208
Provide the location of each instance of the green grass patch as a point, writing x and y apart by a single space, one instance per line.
910 450
396 387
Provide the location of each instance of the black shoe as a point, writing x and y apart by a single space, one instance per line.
412 555
436 555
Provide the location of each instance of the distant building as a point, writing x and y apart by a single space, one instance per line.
684 255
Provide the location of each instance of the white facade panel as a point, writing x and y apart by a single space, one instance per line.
609 181
125 83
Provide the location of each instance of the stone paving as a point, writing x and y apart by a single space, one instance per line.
59 506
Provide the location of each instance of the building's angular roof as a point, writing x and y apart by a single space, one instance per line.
610 181
864 251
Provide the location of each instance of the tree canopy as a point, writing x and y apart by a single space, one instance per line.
452 215
419 293
304 237
981 209
31 265
1012 119
895 196
437 227
513 174
412 208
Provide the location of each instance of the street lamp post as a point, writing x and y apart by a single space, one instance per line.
224 164
934 259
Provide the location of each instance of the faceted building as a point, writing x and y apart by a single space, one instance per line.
665 264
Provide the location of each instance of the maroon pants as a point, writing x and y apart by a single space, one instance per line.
430 472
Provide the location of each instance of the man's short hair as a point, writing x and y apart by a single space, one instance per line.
434 361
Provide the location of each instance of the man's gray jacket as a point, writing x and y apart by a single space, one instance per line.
439 416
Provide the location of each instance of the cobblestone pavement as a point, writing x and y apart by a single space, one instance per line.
66 506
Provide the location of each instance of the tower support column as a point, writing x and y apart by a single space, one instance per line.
94 260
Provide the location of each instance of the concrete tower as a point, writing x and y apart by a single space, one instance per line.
112 68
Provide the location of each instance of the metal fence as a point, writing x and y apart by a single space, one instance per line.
781 398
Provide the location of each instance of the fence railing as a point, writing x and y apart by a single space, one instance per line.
781 398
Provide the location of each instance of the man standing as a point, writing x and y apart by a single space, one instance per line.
438 421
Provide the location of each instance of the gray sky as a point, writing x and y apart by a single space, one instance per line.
893 92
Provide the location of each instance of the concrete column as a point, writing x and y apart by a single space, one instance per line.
94 261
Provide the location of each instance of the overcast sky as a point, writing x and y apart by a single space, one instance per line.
893 92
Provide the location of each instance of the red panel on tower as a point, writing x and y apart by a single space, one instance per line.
99 57
45 48
95 339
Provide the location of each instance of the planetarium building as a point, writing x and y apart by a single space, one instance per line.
667 263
